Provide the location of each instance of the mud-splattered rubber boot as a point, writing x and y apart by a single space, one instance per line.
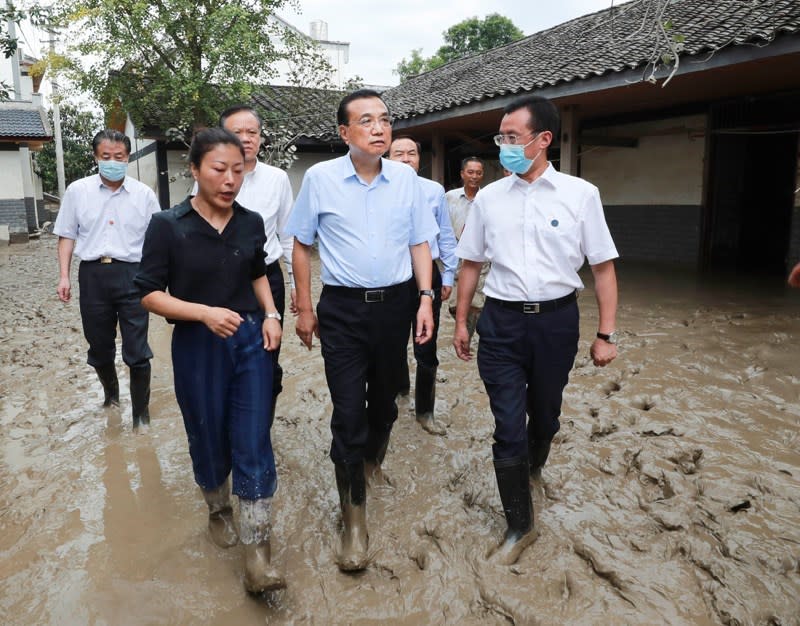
352 555
515 494
254 526
220 516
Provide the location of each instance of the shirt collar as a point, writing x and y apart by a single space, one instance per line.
185 207
549 176
102 185
349 170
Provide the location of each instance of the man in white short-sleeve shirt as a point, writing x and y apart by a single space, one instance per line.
536 227
102 220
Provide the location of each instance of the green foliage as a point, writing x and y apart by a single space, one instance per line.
174 64
467 37
8 44
78 127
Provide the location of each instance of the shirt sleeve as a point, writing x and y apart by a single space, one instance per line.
67 219
284 211
472 244
423 223
153 274
447 242
304 217
596 241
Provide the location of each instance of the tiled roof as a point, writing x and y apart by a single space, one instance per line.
22 123
616 39
309 113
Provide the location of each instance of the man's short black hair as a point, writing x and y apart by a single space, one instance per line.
469 160
114 136
358 94
238 108
410 138
544 114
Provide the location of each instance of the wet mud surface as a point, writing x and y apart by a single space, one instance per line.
672 494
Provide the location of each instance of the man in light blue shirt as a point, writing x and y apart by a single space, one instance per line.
406 150
372 222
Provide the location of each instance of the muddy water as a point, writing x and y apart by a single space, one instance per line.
672 494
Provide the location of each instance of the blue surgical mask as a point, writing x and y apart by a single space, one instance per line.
112 170
512 158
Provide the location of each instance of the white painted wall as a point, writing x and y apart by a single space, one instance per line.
11 187
665 169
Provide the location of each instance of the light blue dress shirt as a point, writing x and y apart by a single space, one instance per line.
364 230
443 246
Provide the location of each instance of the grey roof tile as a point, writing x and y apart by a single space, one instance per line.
616 39
22 123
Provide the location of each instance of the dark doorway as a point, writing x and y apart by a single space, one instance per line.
752 176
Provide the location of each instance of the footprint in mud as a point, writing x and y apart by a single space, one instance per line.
611 387
644 403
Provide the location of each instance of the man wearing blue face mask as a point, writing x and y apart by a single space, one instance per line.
536 227
102 220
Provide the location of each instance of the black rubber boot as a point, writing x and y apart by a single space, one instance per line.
537 457
515 494
354 542
140 395
108 377
425 399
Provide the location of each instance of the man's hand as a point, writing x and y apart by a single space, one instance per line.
221 321
306 327
461 342
424 329
272 332
63 290
446 291
602 352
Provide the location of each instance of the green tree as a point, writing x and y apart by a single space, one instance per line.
174 64
78 127
9 13
469 36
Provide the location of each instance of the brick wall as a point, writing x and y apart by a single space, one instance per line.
656 233
13 213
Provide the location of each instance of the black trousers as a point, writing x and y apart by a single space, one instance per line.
278 289
524 360
108 297
364 347
425 354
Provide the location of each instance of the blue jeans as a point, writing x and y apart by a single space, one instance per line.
224 390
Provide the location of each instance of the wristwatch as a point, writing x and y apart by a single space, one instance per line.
427 292
609 338
273 316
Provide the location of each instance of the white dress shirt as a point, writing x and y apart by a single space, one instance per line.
536 235
458 206
106 222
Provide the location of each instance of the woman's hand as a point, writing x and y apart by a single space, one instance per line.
221 321
272 332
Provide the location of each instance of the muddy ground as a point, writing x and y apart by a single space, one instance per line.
671 495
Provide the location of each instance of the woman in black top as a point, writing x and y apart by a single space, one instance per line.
208 254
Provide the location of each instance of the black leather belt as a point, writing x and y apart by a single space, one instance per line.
367 295
547 306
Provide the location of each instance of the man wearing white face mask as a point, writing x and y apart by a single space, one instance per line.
536 226
102 220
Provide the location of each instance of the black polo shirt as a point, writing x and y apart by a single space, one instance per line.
185 255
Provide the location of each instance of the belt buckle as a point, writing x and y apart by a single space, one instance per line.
373 295
106 259
530 307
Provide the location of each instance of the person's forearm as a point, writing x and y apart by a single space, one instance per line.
301 265
161 303
605 287
467 284
423 264
264 294
65 249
